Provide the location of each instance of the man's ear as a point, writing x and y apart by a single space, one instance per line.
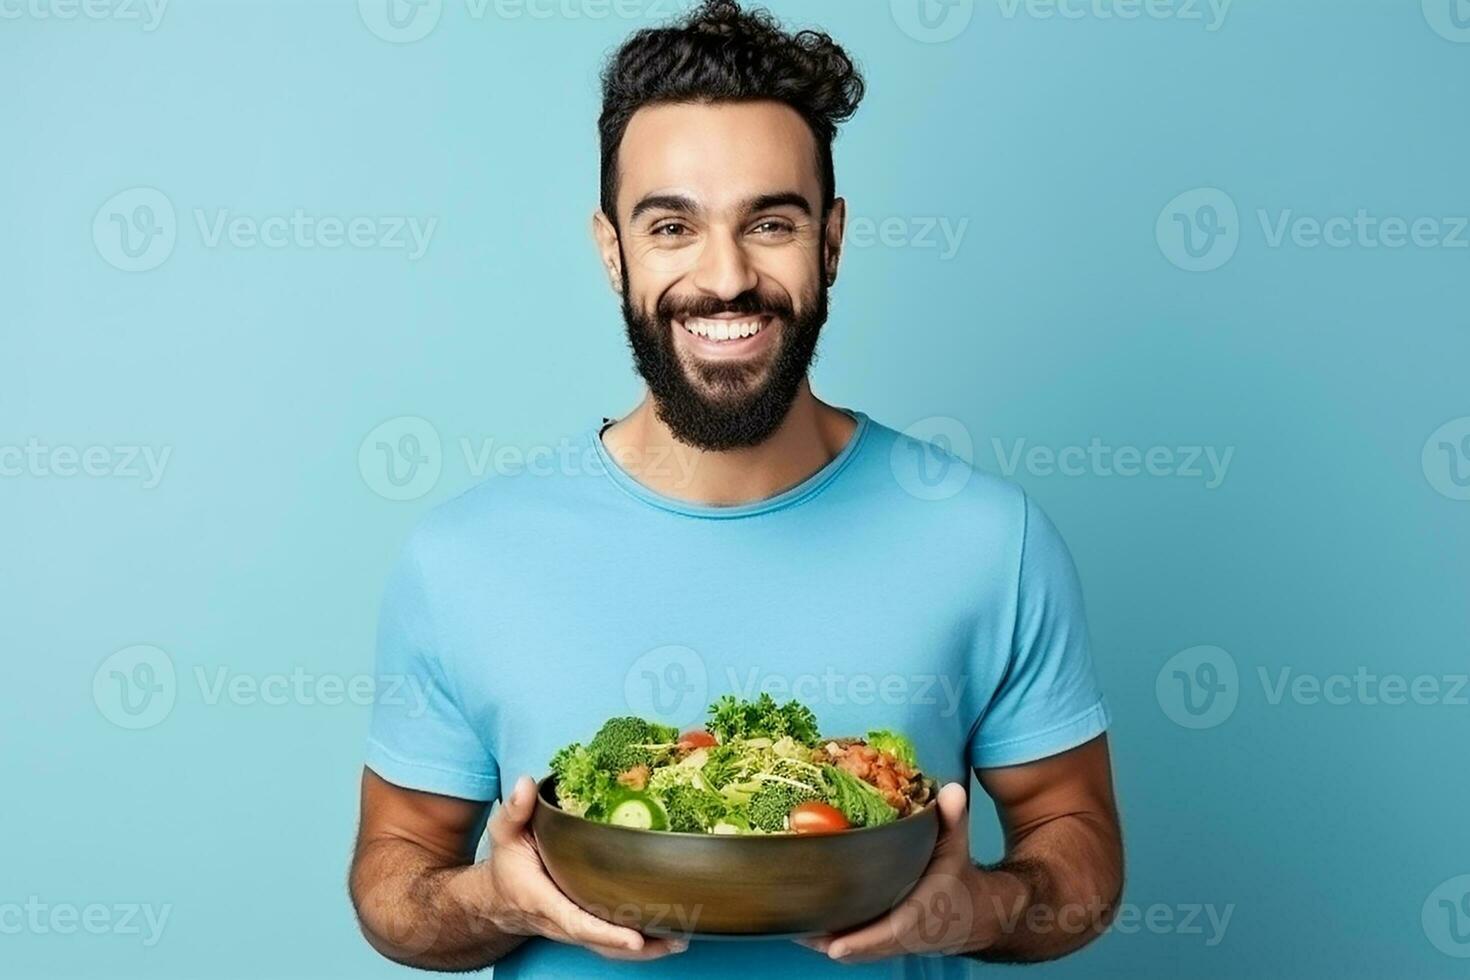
606 237
836 225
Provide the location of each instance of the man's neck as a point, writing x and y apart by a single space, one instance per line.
810 436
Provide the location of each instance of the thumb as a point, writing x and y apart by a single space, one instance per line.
510 819
954 818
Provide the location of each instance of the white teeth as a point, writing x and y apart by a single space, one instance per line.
724 329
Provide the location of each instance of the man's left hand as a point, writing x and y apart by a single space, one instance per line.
948 909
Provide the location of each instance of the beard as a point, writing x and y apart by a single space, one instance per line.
716 405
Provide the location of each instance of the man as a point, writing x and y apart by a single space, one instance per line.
764 537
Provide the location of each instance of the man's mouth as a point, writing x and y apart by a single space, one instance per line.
724 330
727 338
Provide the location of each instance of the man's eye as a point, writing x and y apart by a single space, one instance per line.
774 226
671 229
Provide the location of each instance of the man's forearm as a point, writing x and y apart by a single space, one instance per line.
415 910
1056 891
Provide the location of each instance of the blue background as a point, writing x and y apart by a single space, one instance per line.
1326 549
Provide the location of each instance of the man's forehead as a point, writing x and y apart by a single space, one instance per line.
719 154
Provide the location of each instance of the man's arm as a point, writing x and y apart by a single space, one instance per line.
422 901
1055 890
1062 876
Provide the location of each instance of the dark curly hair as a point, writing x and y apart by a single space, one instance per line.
721 53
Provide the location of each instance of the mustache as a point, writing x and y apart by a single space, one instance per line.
746 304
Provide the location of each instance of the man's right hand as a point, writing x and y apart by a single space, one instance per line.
423 901
522 899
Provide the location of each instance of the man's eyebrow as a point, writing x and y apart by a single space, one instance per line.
664 202
681 204
784 199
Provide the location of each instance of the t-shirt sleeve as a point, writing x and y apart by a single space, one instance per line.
1048 699
420 738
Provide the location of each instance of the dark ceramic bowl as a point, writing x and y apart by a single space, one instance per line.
713 886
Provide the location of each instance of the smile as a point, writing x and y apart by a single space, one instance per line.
724 330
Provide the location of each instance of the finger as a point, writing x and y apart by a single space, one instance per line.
581 927
954 818
818 943
880 938
653 949
514 812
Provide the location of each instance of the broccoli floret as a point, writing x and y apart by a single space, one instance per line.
623 743
693 810
772 803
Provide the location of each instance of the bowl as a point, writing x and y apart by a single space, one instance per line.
737 886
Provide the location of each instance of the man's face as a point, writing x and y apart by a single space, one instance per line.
724 264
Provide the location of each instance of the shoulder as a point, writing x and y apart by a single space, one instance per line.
929 470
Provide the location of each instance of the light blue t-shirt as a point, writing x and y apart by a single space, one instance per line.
893 588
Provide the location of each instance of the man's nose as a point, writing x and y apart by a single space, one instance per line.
724 269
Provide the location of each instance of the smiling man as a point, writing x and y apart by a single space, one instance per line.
752 536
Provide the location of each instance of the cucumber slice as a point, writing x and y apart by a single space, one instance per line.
638 811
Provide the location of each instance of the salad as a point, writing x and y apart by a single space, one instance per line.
757 767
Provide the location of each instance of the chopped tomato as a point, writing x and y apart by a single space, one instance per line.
816 817
697 739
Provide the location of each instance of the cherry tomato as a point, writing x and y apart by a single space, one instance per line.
817 817
697 739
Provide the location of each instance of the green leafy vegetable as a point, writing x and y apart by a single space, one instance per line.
861 804
732 718
894 744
